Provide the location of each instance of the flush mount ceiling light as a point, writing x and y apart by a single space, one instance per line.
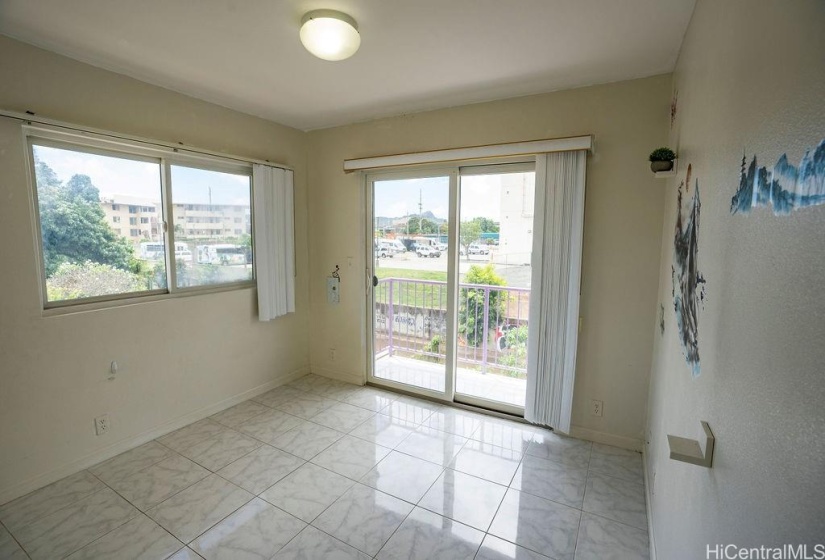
329 34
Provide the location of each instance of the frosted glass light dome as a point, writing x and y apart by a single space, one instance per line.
329 34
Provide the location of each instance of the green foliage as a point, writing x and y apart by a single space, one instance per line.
421 225
434 346
73 225
515 355
469 233
89 279
486 224
471 304
662 154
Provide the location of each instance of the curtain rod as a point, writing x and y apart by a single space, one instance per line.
32 118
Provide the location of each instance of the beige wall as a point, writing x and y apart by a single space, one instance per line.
750 78
623 217
184 357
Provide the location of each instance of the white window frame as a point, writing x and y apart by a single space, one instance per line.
136 150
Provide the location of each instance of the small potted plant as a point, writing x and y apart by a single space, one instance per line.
661 159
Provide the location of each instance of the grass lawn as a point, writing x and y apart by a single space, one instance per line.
412 274
407 293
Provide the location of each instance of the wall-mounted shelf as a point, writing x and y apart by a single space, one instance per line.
666 174
692 451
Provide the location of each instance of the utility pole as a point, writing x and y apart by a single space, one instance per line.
420 212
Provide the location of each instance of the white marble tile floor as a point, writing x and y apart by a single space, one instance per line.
320 469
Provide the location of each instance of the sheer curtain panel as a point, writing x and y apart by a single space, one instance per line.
274 240
554 303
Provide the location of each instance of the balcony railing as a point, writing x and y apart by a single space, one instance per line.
411 321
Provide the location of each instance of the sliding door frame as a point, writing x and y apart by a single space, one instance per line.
452 291
452 170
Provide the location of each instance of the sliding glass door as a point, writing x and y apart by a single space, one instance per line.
450 267
411 303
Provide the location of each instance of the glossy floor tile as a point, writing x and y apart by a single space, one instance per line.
308 491
312 544
537 524
16 515
432 445
261 468
194 510
403 476
322 469
464 498
9 548
363 518
149 487
351 457
424 535
256 531
73 527
602 539
139 538
306 440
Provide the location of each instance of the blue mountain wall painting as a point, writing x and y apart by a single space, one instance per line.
785 187
688 283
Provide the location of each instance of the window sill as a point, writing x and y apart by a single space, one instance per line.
62 309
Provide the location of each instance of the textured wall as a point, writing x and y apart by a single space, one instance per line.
623 214
179 356
750 78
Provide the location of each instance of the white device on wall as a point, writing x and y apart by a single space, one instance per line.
333 285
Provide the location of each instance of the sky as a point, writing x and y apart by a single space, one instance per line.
480 197
118 176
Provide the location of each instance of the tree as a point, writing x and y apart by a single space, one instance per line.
471 306
469 233
73 225
88 279
487 225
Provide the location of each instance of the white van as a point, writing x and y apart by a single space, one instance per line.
390 246
151 251
222 253
154 251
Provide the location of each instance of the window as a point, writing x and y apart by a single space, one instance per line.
219 256
84 258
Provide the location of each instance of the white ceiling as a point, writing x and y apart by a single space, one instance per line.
415 54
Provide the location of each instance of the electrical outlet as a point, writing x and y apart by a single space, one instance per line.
331 354
101 425
596 407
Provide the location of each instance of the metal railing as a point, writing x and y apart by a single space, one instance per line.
411 320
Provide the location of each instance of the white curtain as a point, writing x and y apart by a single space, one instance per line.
554 300
274 240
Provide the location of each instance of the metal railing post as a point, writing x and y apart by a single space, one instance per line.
484 331
390 315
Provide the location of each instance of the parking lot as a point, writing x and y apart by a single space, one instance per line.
515 275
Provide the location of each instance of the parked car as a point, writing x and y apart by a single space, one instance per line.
383 253
424 251
478 249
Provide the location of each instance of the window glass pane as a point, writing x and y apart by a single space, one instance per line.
212 226
83 199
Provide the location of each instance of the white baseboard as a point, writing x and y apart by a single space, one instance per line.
23 488
608 439
649 504
354 378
